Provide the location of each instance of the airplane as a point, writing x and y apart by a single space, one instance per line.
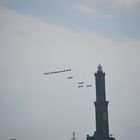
89 85
71 77
80 86
46 73
68 69
80 83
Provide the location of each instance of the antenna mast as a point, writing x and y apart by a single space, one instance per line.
73 137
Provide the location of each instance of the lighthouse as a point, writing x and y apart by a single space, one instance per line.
101 109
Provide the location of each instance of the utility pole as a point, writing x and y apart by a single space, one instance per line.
73 136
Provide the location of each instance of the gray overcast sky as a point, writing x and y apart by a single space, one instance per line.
43 36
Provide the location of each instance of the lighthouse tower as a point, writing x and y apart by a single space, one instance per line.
101 109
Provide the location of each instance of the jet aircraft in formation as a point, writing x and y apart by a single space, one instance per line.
70 77
89 85
80 84
58 71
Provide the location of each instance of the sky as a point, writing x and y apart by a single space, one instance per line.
39 36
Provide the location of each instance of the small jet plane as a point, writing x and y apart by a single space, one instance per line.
89 85
80 83
68 69
80 86
71 77
46 73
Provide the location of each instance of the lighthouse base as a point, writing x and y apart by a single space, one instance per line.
98 136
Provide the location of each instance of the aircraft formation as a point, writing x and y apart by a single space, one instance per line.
58 71
80 84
